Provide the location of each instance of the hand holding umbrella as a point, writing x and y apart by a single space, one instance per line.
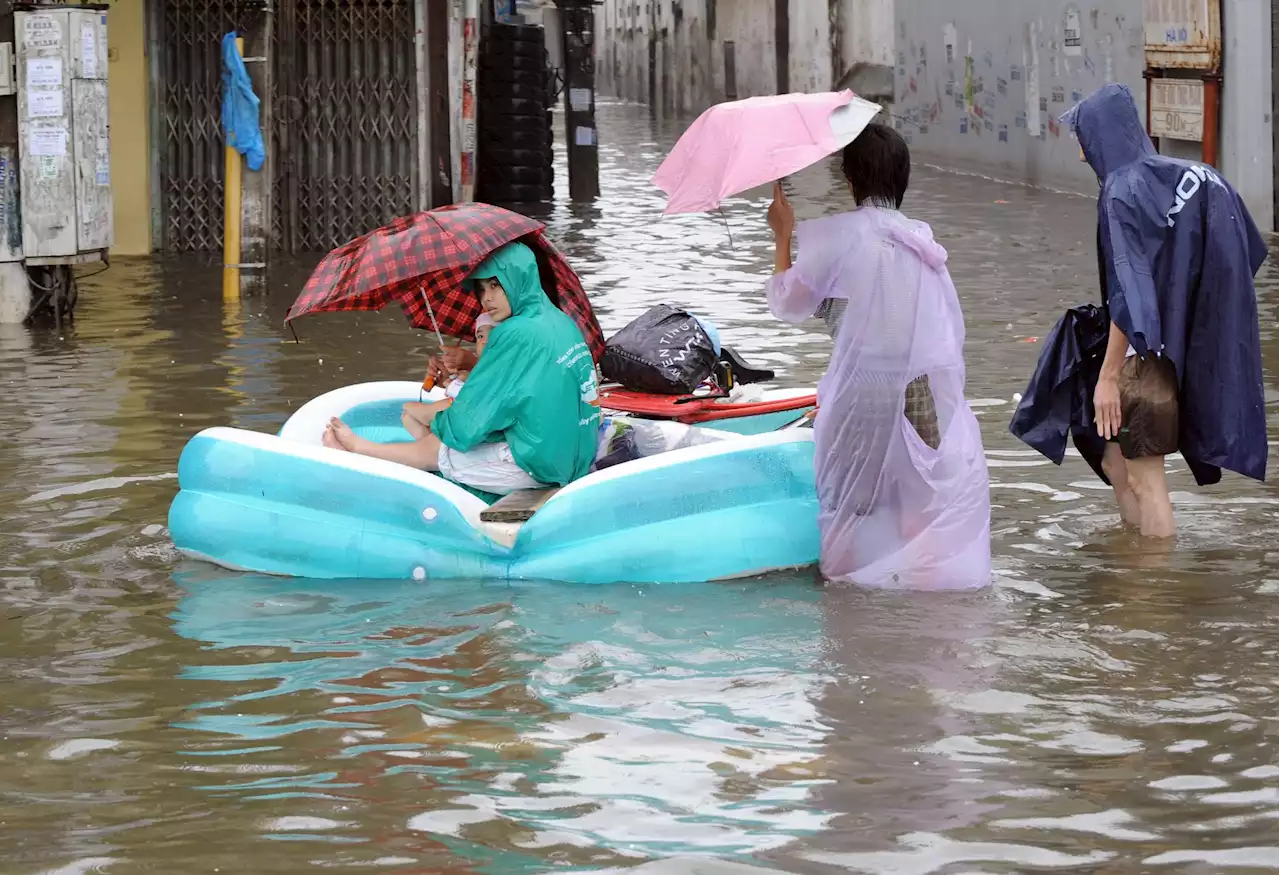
453 358
782 220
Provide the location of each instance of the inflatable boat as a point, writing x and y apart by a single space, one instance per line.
726 505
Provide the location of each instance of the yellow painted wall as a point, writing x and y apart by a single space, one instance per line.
130 120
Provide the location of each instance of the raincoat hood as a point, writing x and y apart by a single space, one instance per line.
516 268
918 238
1109 129
534 387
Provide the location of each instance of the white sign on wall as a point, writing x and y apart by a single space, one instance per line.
1177 109
1072 36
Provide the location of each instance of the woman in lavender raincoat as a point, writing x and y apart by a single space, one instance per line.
902 479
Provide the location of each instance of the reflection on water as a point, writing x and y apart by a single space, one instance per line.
546 721
1107 707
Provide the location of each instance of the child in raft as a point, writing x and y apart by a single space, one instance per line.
417 414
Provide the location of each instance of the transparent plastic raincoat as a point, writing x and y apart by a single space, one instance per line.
902 505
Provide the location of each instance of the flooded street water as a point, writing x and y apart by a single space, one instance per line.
1107 707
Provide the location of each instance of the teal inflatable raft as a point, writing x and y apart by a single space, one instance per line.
728 506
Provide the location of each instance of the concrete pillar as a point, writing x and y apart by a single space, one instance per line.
867 48
782 44
15 293
1247 149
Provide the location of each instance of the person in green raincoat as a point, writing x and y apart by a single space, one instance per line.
528 415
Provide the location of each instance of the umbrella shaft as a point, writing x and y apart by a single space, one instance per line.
426 299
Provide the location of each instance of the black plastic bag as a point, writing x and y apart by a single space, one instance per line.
664 351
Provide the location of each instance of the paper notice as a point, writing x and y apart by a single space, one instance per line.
47 142
48 167
580 99
1072 38
584 136
89 50
41 30
44 104
44 72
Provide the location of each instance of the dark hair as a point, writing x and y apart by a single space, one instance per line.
1148 406
877 164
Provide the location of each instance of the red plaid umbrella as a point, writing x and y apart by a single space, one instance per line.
431 253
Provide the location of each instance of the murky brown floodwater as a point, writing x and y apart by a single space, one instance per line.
1106 708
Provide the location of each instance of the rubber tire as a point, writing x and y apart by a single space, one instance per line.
518 157
527 123
514 91
524 140
512 128
497 67
525 86
528 139
493 78
518 194
501 51
517 33
506 175
511 106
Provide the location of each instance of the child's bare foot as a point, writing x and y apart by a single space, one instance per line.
329 440
337 435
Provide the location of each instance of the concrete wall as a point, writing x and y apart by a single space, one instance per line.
810 54
864 36
827 38
1248 111
867 31
981 84
688 38
749 24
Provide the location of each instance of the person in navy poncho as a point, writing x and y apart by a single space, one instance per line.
1182 367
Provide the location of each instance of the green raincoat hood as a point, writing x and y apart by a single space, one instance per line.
515 266
535 385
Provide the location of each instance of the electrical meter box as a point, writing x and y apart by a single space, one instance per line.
64 143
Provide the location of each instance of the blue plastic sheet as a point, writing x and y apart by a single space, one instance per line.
240 106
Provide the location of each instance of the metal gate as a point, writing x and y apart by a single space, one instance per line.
344 133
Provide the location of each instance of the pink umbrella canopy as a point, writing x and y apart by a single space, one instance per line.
736 146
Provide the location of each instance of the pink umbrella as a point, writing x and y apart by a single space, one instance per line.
736 146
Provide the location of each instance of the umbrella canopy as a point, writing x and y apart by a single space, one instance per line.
425 257
736 146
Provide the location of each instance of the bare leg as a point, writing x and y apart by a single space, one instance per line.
1117 471
414 420
1148 484
423 454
